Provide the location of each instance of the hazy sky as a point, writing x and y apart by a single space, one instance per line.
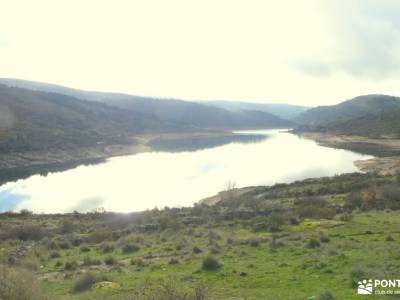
303 52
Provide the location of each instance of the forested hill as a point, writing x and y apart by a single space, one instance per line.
381 125
34 120
355 108
182 113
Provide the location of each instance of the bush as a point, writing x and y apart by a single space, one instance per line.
110 260
66 227
254 242
107 248
326 296
28 232
324 239
354 200
275 221
173 261
210 264
197 250
17 284
85 249
88 261
86 281
313 243
313 212
70 266
389 238
54 255
138 262
355 276
64 245
346 217
129 248
99 236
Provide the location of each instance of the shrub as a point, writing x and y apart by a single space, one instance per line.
30 262
138 262
213 236
355 276
354 200
85 249
70 266
324 239
66 227
389 238
254 242
173 261
107 248
99 236
129 248
19 285
28 232
110 260
54 255
64 245
86 281
197 250
88 261
346 217
316 212
214 250
77 242
58 264
275 221
326 296
210 264
313 243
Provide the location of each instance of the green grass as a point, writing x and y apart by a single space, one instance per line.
292 271
254 263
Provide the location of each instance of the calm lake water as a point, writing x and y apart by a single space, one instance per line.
146 180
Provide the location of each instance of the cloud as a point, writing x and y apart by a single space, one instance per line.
4 43
363 41
306 52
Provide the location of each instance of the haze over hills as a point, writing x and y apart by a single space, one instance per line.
353 108
182 113
285 111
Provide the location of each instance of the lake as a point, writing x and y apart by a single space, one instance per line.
177 178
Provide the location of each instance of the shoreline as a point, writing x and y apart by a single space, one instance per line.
385 163
17 165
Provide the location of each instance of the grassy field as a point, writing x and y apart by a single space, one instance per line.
308 240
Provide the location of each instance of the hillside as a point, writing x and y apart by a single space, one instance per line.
354 108
382 125
34 120
285 111
311 239
182 113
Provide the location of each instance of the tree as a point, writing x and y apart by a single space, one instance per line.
371 199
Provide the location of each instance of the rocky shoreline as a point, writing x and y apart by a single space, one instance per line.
385 163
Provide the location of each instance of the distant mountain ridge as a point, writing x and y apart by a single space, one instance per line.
350 109
285 111
182 113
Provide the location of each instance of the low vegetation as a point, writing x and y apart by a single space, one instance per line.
312 239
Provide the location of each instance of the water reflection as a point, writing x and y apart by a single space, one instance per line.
146 180
194 144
